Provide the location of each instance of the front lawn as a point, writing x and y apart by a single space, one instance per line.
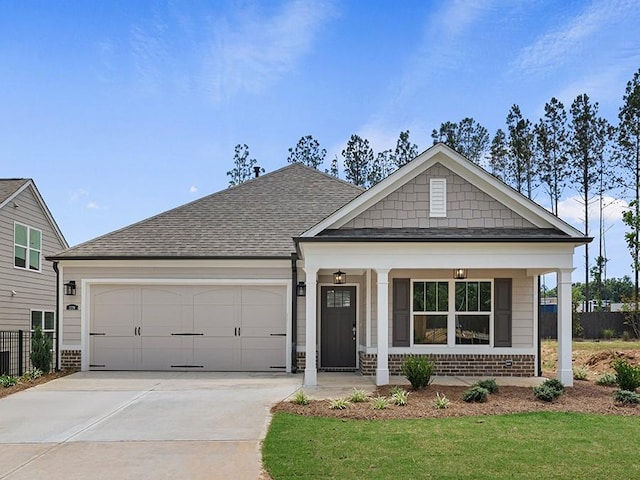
530 445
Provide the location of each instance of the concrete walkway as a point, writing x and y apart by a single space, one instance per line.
132 425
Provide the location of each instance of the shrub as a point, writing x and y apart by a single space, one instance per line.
555 384
40 350
441 402
626 336
549 390
627 376
490 384
418 370
580 373
380 403
301 398
31 375
475 394
607 380
338 404
608 333
8 380
626 397
400 397
357 396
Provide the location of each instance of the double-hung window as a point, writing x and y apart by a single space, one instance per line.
430 312
44 319
473 313
27 248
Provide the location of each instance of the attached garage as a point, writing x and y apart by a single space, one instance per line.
187 327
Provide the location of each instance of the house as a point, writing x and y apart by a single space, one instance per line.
297 270
28 235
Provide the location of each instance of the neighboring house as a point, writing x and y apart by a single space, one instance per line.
28 234
441 256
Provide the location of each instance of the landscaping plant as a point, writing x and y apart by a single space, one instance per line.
8 380
490 384
301 398
400 397
580 373
441 402
627 376
626 397
357 396
418 369
41 350
607 380
475 394
549 390
338 404
380 403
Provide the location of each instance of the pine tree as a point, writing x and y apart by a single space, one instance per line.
242 166
381 168
307 152
521 171
405 151
358 160
498 154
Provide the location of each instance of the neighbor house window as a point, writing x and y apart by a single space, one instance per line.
44 319
430 312
473 313
27 248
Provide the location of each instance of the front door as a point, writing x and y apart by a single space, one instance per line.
338 330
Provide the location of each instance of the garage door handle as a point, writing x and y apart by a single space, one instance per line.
278 335
186 334
95 333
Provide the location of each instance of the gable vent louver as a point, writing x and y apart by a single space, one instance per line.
437 197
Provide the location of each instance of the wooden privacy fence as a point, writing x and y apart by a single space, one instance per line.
593 324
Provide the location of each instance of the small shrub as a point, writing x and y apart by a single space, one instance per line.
8 380
555 384
396 389
418 370
301 398
626 336
607 380
339 404
627 376
608 333
475 394
625 397
400 397
358 396
40 350
580 373
380 403
441 402
31 374
545 393
490 384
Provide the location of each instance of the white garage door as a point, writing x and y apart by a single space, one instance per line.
188 327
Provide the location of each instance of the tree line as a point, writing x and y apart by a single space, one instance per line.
574 148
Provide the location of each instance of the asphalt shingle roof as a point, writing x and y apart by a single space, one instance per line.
255 219
8 186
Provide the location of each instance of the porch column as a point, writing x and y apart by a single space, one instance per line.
310 369
565 333
382 370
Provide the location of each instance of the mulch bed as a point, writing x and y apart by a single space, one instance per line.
23 385
584 397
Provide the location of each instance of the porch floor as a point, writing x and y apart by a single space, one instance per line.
341 384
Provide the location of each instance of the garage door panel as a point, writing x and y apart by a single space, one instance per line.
263 354
218 320
215 353
271 317
113 353
161 353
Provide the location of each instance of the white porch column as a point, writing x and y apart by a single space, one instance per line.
310 369
382 369
565 331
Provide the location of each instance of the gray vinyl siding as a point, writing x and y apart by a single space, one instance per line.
72 318
467 207
35 290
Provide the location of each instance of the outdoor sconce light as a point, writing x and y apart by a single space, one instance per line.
339 277
70 288
460 273
301 289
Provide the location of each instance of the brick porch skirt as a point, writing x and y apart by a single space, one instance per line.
71 359
493 365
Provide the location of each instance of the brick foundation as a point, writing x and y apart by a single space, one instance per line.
71 359
460 364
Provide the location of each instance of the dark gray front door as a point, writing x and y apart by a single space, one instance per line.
338 330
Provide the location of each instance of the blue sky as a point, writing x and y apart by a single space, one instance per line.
123 109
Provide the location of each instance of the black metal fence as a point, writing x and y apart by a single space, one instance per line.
593 323
15 352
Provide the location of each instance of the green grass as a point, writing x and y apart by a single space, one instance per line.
524 446
591 346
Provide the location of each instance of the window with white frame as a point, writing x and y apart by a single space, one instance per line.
44 319
434 312
27 248
473 313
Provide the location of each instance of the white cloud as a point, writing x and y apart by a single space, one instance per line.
77 194
93 206
571 209
193 189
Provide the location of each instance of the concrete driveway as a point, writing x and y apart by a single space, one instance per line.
150 425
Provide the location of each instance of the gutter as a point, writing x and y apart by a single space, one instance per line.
577 241
294 313
55 268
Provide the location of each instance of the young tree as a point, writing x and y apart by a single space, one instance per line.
448 133
405 150
334 170
307 152
498 154
242 166
628 155
551 146
583 154
382 166
358 159
468 138
520 171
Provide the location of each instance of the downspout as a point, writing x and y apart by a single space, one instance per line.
55 269
294 312
539 366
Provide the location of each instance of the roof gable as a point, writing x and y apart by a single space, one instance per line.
525 212
257 219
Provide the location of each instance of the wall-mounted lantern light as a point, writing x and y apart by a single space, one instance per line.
460 273
70 288
301 289
339 277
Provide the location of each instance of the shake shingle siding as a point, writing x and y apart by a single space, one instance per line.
255 219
